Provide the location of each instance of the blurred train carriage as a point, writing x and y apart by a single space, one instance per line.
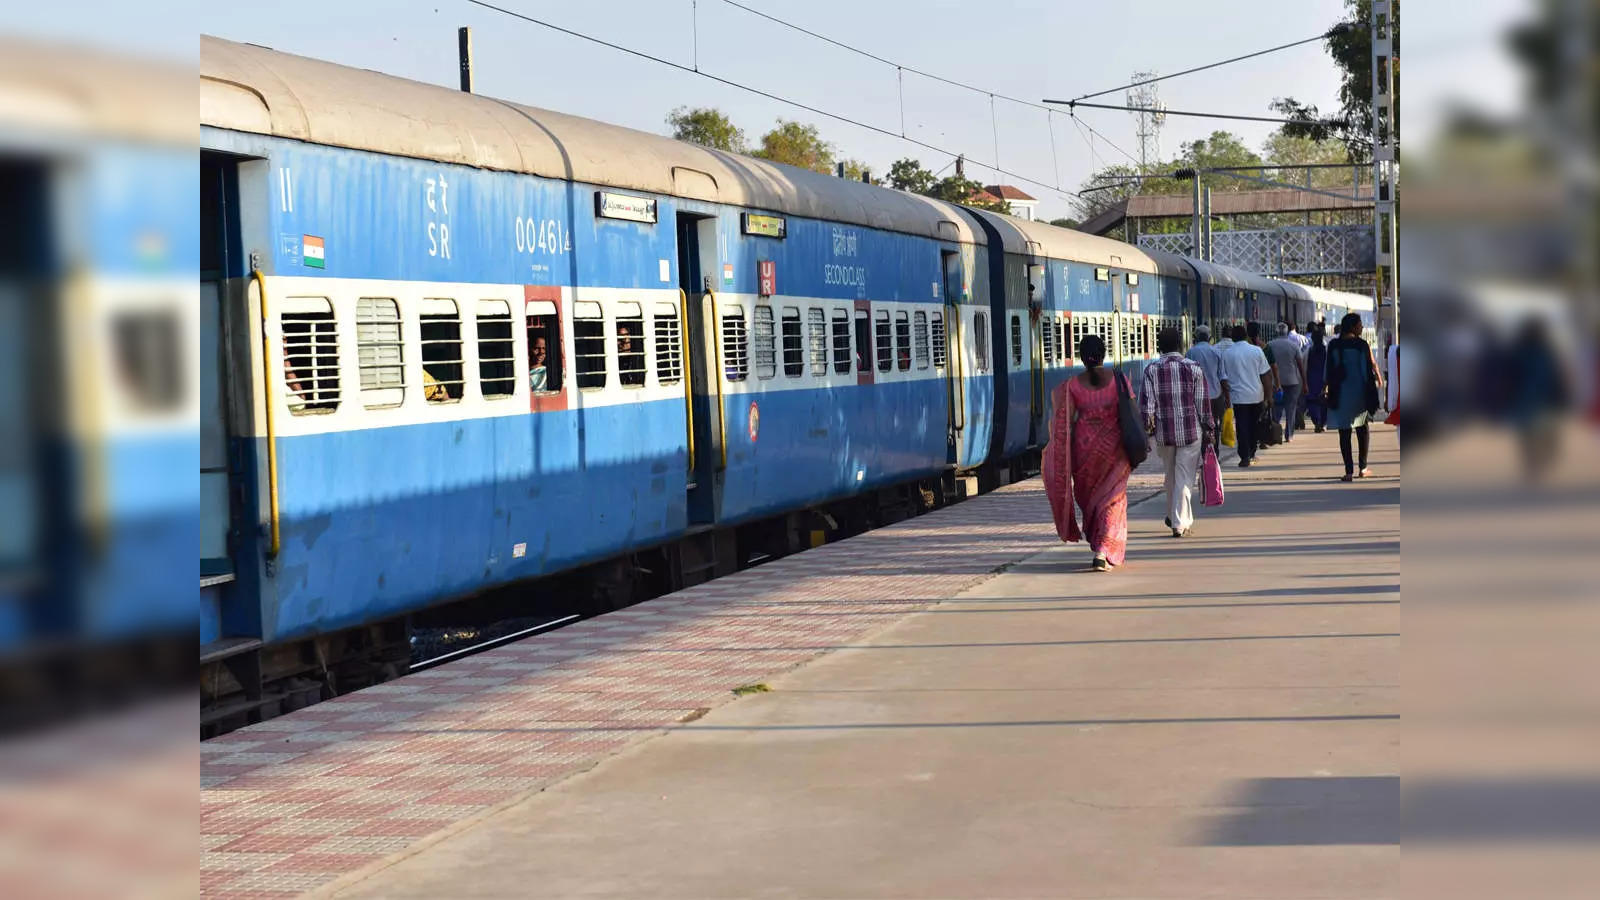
465 343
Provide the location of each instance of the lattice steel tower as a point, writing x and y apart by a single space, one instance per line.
1151 116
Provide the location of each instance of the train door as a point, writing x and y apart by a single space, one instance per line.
955 385
697 236
1039 318
1116 349
221 488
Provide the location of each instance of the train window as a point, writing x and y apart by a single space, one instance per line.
379 352
863 342
497 363
841 341
669 344
1063 340
794 355
1133 279
902 341
883 345
1049 339
980 340
443 375
1016 340
764 351
630 345
936 329
544 347
919 338
735 344
589 345
817 341
148 364
310 355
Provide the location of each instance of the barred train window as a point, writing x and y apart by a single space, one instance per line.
880 324
863 342
919 338
841 341
148 364
817 341
763 344
735 344
980 340
1064 345
630 344
589 345
310 355
379 352
497 363
544 347
669 344
794 362
902 341
940 352
442 372
1016 340
1049 340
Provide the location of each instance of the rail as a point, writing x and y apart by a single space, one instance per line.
274 533
688 374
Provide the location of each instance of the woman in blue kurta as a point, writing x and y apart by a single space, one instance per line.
1353 391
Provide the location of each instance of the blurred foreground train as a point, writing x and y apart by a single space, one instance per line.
456 343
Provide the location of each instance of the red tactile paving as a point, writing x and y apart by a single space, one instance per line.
292 803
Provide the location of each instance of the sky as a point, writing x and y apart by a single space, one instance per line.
1029 49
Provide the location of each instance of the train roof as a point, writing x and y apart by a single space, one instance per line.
254 89
54 91
1343 299
1029 237
1227 276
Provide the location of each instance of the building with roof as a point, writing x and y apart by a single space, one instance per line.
1022 205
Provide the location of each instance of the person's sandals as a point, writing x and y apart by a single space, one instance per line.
1365 473
1101 564
1348 477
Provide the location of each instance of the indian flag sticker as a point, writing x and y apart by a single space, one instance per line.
311 251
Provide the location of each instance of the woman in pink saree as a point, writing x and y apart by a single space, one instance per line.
1084 460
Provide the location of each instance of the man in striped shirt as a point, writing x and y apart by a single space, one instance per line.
1177 412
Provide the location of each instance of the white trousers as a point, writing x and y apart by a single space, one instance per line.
1181 464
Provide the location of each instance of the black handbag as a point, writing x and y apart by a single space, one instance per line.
1134 442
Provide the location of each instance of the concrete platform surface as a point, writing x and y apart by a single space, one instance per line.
1218 718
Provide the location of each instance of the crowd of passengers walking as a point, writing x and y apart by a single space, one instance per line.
1268 388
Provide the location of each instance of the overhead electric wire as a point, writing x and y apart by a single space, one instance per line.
767 94
870 55
1072 104
1321 37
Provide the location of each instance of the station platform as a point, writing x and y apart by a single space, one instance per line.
950 706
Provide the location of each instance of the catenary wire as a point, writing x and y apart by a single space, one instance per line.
762 93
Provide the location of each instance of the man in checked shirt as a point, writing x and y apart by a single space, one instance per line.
1177 413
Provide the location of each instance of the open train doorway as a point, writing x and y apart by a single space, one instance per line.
697 243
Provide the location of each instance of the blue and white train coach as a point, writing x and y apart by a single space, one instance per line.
725 344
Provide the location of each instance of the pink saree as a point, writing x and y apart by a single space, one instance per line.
1084 461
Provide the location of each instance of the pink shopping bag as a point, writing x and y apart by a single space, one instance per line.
1211 473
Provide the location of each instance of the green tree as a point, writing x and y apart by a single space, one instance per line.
963 190
1223 149
706 126
1064 223
1284 149
909 175
1350 44
797 145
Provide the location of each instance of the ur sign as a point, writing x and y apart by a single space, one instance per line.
767 275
